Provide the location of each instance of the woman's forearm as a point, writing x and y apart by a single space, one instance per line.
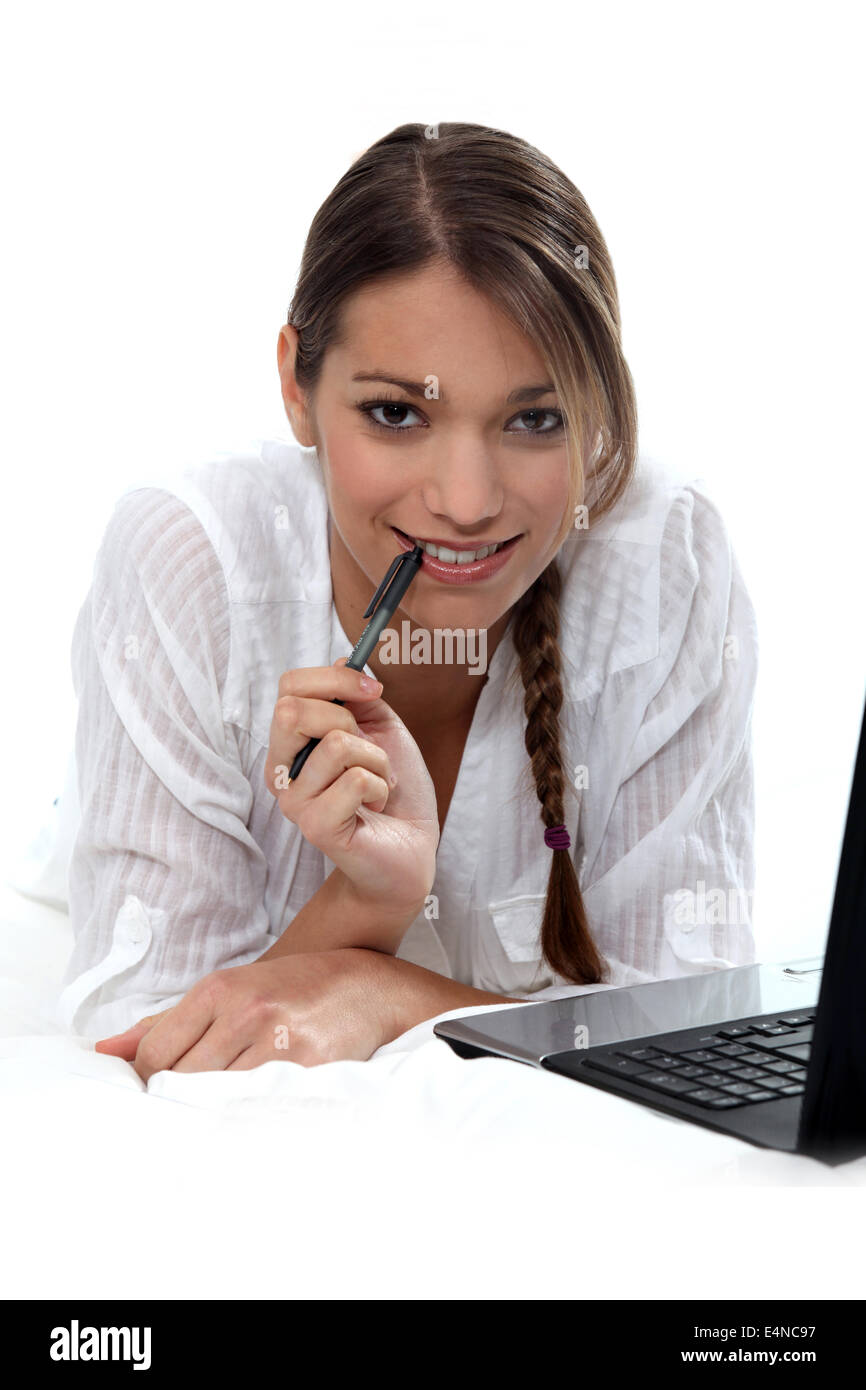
335 918
415 994
399 992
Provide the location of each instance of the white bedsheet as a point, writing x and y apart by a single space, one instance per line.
416 1174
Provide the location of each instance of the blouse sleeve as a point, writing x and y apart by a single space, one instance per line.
165 882
670 889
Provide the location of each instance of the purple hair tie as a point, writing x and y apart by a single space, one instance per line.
557 837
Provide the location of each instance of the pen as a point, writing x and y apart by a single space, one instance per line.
382 606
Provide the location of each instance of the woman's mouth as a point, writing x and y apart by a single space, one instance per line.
455 567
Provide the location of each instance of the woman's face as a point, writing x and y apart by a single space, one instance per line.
475 455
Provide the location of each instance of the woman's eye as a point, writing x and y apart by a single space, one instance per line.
391 408
533 414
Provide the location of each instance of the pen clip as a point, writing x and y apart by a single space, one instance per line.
380 592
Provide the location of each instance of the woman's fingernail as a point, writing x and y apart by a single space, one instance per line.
367 683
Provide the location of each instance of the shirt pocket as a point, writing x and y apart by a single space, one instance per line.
509 959
689 939
517 922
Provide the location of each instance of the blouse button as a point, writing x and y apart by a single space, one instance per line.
132 925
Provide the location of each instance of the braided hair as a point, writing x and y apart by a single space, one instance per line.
566 940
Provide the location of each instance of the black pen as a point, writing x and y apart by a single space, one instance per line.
382 606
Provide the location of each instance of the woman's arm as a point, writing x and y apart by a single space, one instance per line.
166 880
306 1007
337 917
415 994
334 919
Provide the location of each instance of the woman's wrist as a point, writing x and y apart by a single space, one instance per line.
377 923
337 917
410 994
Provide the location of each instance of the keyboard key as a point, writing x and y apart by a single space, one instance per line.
666 1081
676 1044
746 1073
793 1090
705 1095
618 1066
736 1088
693 1072
730 1050
725 1102
734 1032
779 1066
796 1020
801 1051
774 1083
638 1054
787 1038
772 1029
761 1095
700 1055
724 1063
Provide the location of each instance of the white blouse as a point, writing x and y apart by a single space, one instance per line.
205 591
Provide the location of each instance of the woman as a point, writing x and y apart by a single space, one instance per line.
453 373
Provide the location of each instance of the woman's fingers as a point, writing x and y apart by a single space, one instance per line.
175 1032
337 682
224 1041
125 1044
329 820
296 720
200 1033
337 753
305 710
255 1056
122 1044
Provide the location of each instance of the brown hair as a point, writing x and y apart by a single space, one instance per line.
518 230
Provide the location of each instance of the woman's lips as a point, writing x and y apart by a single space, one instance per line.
460 574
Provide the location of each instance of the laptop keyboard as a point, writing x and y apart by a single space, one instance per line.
738 1064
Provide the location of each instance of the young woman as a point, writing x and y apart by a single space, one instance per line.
453 373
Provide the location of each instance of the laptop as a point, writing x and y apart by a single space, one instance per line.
773 1054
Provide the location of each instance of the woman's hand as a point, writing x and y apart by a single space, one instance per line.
383 836
321 1007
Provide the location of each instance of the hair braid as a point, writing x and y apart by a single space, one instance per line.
566 940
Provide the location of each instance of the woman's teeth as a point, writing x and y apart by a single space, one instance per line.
457 557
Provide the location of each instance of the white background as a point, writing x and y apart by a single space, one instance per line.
161 168
161 165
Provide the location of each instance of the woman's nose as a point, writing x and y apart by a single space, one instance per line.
464 487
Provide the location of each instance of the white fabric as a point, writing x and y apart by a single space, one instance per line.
373 1171
205 592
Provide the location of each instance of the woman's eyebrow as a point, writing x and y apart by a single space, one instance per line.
419 388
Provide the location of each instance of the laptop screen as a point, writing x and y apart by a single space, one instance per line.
833 1116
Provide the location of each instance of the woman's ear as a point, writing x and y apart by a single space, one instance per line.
293 398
